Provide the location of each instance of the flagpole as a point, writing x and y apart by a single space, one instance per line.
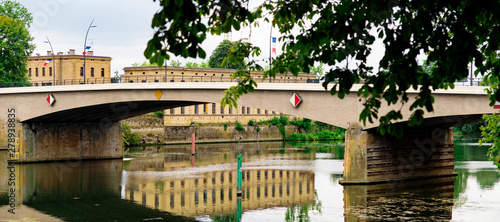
85 50
270 50
53 59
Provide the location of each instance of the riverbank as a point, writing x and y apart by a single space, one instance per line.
151 130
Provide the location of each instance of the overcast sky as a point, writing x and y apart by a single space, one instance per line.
122 32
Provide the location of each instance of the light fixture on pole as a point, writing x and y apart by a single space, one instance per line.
53 59
85 47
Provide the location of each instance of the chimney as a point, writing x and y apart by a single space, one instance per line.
49 53
90 53
60 53
71 52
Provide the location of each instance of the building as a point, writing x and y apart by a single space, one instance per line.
213 112
67 69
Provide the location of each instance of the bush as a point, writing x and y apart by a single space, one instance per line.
275 121
225 126
159 114
129 137
258 129
239 127
251 122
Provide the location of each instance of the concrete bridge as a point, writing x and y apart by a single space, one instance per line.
82 122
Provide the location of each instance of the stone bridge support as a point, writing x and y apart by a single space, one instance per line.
39 142
421 153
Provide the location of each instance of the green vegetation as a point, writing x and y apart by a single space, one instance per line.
317 136
159 114
196 65
239 127
129 137
451 33
491 134
469 129
218 57
225 126
15 46
303 124
252 122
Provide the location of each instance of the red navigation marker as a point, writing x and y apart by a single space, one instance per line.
51 99
497 105
295 100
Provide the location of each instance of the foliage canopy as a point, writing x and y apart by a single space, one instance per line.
335 33
15 46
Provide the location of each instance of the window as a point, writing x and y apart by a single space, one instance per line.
131 73
230 111
50 71
221 109
266 112
213 108
182 110
43 71
258 111
172 111
156 72
196 109
248 110
92 72
102 72
29 71
205 108
81 71
242 110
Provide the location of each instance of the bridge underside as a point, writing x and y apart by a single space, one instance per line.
111 112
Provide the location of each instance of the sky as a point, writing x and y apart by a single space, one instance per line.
122 32
124 28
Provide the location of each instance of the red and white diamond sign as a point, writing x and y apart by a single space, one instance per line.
497 105
295 100
51 99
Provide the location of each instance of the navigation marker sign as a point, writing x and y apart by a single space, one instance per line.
497 105
51 99
295 100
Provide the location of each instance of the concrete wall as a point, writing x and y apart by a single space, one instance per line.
62 141
420 153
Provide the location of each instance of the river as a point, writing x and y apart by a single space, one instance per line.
281 182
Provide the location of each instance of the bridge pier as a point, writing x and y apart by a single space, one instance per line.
421 153
41 142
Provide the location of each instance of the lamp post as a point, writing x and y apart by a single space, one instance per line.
53 59
85 50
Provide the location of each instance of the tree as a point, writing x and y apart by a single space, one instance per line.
17 11
490 134
15 46
218 58
336 33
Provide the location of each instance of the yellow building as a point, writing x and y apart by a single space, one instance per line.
213 112
67 69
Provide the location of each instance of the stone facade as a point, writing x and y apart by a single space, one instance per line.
212 112
67 69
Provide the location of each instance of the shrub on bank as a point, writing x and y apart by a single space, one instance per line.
129 137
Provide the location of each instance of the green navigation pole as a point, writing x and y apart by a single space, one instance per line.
238 171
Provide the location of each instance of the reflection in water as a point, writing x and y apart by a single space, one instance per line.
296 183
419 200
169 183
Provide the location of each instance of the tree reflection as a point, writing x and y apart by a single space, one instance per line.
300 212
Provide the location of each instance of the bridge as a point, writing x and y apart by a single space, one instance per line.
82 122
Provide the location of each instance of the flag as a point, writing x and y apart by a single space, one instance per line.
47 62
84 53
273 45
88 47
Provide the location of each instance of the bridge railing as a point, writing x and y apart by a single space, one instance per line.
151 79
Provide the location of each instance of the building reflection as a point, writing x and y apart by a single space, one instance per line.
214 193
421 200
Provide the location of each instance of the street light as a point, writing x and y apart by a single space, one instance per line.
53 59
85 50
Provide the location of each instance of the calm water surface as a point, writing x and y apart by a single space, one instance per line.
281 182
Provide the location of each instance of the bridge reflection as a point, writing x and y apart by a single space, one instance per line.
422 200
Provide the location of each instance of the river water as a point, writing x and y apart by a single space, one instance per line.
281 182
